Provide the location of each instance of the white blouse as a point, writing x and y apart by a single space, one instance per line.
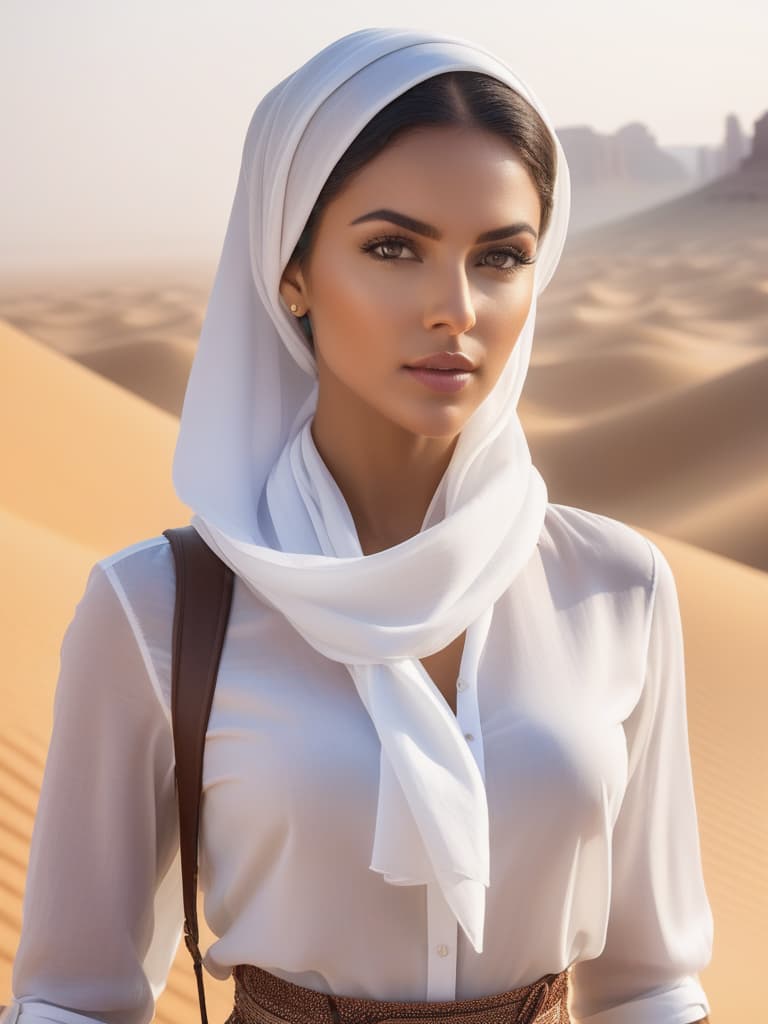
574 709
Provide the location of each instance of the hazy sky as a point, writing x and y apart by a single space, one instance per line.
123 120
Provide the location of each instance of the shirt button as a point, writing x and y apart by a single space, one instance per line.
442 950
462 685
469 736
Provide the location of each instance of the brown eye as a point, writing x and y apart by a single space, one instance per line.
501 258
518 257
387 247
382 248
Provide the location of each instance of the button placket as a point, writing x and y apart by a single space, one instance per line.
468 715
442 935
467 698
442 926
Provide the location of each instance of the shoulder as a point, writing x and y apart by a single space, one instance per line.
148 557
143 576
604 571
127 606
597 549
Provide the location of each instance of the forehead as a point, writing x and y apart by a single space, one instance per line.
448 176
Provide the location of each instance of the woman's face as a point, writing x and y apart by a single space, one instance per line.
384 295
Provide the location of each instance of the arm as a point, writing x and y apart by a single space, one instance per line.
660 925
102 911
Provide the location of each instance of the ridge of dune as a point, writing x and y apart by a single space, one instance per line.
590 382
738 512
645 398
75 321
638 461
157 370
141 336
89 459
87 477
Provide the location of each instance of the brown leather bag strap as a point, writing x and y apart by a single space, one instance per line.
204 586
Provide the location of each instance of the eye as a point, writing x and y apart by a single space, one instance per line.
384 243
520 259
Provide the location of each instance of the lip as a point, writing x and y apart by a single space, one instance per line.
440 380
443 361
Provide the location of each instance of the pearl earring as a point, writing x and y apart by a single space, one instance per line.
294 308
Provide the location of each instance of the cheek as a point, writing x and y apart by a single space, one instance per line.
501 320
352 306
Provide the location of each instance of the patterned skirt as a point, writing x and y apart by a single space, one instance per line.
263 998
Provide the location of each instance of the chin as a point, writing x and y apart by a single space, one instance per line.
445 424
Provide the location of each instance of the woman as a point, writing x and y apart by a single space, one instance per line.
447 758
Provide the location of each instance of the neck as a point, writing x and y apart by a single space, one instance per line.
388 476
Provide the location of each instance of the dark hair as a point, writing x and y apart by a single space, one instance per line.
463 98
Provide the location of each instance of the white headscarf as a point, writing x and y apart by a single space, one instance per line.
263 499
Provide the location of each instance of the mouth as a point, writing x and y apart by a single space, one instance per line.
440 380
447 361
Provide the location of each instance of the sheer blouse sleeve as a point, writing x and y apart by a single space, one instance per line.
102 909
660 926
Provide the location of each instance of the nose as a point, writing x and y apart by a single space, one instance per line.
449 302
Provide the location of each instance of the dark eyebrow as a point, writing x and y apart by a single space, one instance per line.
420 228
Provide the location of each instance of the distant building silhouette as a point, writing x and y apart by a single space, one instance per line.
631 154
759 151
705 163
615 175
734 147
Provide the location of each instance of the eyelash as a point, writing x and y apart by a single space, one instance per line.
523 259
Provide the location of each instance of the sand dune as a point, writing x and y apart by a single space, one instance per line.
156 369
667 475
646 401
723 606
82 443
22 760
117 493
741 510
645 397
76 321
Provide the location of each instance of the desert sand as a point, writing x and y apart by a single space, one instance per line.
646 401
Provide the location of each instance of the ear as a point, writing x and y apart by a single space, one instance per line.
293 287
